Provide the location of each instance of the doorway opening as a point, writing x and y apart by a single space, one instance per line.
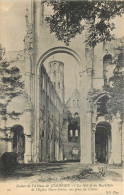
18 144
103 142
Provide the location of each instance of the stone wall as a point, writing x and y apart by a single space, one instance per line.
51 120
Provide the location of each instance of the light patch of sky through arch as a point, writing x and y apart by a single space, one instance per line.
71 72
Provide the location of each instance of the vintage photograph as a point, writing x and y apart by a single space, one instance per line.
61 97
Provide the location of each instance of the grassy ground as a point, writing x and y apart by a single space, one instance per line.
46 172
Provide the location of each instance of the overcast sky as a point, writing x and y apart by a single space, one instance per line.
12 24
12 32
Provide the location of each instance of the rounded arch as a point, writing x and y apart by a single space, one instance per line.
56 50
44 56
17 127
105 125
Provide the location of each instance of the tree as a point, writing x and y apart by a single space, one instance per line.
11 86
67 116
116 102
73 121
66 22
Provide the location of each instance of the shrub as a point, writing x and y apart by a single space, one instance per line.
86 171
8 160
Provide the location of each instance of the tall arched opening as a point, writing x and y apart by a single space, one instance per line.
103 142
47 135
18 142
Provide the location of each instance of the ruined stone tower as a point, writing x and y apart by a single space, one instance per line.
56 73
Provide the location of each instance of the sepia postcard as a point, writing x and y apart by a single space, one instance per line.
61 97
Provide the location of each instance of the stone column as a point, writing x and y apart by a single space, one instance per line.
88 137
109 147
28 76
38 20
116 156
93 143
43 149
122 129
122 126
85 123
88 145
82 116
86 110
123 144
36 119
27 155
28 135
28 40
52 151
